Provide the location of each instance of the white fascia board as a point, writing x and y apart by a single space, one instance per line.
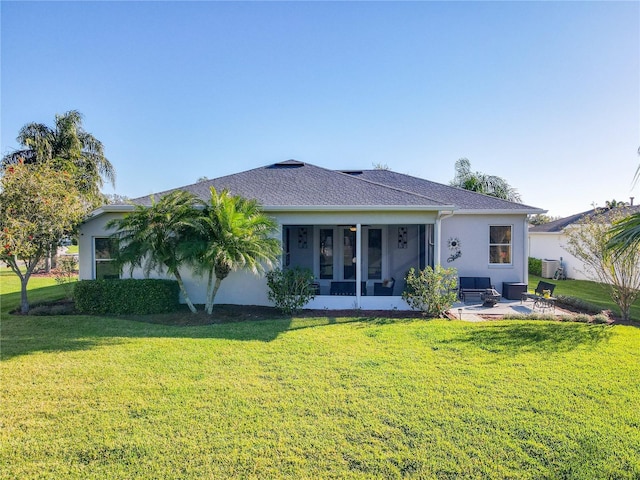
356 208
531 211
109 209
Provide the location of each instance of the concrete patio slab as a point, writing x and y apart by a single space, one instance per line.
475 311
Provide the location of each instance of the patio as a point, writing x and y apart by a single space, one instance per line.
474 311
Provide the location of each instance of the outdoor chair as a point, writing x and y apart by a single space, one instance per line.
384 288
539 291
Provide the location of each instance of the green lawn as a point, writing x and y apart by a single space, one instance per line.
591 292
86 397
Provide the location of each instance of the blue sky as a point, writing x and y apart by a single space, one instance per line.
544 94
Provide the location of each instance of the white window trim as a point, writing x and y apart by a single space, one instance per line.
499 265
97 260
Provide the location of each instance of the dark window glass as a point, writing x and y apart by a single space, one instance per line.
375 254
326 253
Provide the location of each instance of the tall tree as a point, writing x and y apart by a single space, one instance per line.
482 183
236 234
68 147
541 219
618 273
625 234
160 237
39 206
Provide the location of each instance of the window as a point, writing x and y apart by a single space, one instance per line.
103 254
375 254
326 253
499 244
349 255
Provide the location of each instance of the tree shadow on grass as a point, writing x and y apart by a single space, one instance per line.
23 335
535 337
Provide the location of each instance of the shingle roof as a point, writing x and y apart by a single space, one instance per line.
463 199
559 225
293 183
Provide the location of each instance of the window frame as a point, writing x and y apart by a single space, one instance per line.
510 245
97 260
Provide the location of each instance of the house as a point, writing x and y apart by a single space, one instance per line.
549 240
352 227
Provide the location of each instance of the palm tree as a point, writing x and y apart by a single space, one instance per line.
236 234
69 147
163 236
626 233
482 183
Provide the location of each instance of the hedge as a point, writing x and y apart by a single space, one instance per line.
535 266
129 296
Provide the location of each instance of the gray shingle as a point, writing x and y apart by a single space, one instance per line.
562 223
293 183
463 199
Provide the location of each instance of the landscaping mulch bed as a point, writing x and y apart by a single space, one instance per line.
246 313
243 313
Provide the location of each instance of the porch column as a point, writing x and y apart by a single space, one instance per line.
358 262
436 239
525 260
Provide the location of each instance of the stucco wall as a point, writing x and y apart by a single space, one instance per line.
402 259
473 233
88 231
471 230
551 246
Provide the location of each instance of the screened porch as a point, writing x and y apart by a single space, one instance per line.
375 257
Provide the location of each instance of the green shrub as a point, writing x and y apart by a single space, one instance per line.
535 266
40 310
537 316
601 318
66 273
578 304
290 289
128 296
432 291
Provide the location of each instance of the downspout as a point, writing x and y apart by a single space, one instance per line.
358 263
438 234
525 260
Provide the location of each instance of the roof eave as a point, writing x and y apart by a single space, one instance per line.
497 211
98 212
357 208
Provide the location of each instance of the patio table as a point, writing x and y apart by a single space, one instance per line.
539 301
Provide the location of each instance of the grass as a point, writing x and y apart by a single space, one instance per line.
72 249
87 397
590 292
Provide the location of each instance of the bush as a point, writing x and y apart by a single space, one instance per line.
577 304
290 289
116 297
66 273
52 309
432 291
535 266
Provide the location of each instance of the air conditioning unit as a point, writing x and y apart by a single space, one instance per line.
549 267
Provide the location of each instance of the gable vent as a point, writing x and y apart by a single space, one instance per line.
288 164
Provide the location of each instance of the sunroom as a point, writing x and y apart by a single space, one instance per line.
375 257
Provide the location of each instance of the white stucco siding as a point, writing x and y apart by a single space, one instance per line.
473 233
245 288
90 229
551 246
